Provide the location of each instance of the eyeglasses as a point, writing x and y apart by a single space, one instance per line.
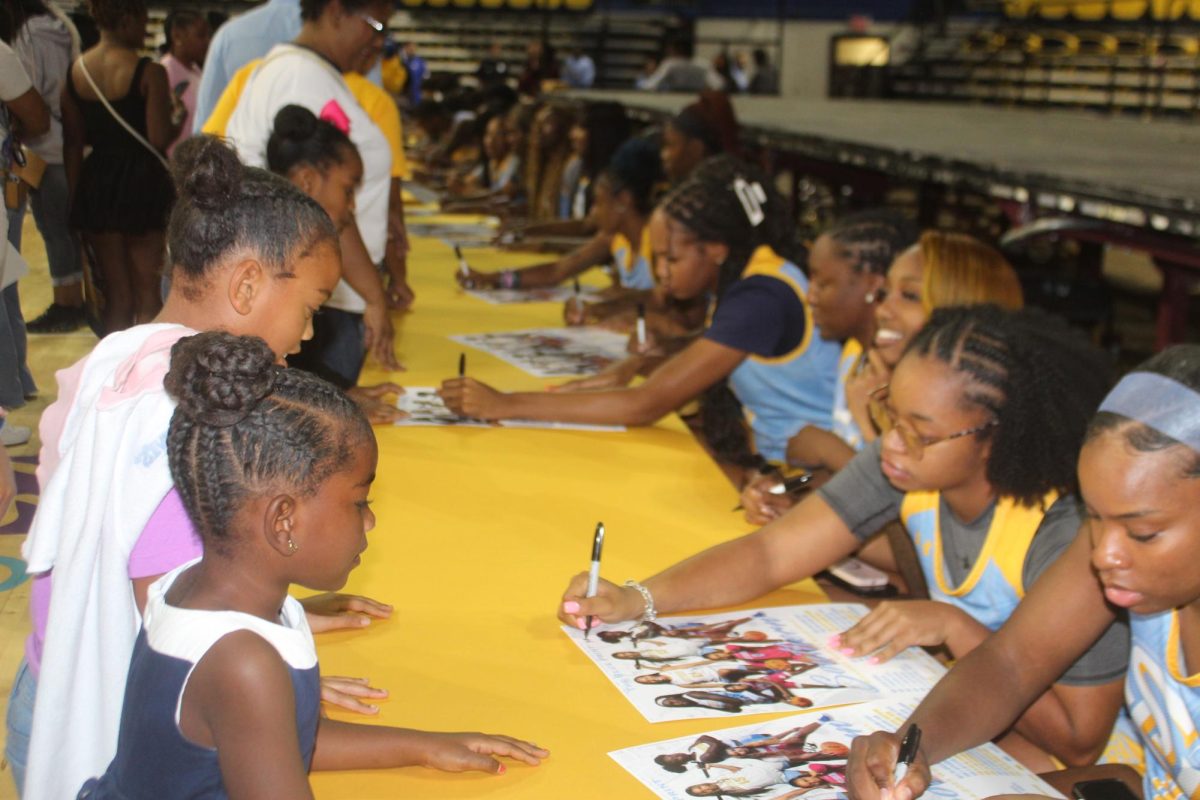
914 443
373 23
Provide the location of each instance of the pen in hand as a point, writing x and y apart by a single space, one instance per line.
910 745
594 573
462 365
463 269
641 325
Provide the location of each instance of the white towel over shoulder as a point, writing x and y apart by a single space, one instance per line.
111 474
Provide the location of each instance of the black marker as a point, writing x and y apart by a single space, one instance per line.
594 572
910 745
462 365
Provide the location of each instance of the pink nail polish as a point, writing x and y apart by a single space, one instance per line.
503 769
835 640
571 607
873 660
581 624
847 651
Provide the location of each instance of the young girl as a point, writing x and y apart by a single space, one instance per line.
987 410
942 269
121 192
250 254
187 36
274 467
1137 551
706 128
714 235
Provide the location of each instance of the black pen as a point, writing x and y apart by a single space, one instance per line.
577 290
594 572
462 365
910 745
787 487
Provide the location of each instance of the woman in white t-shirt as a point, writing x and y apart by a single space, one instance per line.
308 72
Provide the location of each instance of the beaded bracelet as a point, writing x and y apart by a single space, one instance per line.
649 613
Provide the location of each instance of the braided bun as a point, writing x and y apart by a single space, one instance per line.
207 172
218 378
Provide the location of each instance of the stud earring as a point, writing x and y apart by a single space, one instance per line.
870 298
292 546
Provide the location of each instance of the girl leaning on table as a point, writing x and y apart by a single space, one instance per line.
251 254
722 234
1137 550
274 467
987 410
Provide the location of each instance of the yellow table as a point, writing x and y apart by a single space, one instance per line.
478 532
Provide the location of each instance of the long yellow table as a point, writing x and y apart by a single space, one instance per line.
478 532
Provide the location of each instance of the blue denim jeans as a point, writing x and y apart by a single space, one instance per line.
20 723
51 212
16 381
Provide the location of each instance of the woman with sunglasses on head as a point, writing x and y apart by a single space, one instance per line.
987 411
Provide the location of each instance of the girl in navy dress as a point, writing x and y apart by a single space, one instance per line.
274 467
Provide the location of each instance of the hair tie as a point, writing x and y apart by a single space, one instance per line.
335 116
751 196
1160 403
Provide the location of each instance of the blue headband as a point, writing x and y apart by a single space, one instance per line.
1160 403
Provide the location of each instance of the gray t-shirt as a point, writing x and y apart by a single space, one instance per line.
862 496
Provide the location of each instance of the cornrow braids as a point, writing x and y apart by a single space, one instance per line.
1181 364
246 425
871 240
1039 379
224 208
713 205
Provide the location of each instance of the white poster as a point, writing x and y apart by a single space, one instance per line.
552 352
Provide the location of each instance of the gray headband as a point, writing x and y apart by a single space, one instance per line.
1160 403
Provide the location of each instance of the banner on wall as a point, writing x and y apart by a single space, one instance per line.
500 5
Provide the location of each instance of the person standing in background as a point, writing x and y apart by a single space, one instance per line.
45 41
418 71
579 70
188 36
766 74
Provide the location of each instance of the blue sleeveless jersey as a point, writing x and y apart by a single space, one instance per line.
1164 704
783 394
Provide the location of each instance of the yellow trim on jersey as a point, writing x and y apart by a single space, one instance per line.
645 251
1174 655
765 261
1008 538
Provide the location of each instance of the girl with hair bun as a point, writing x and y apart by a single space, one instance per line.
250 254
987 409
1136 553
723 233
274 467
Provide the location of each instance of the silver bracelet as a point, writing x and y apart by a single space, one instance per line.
649 613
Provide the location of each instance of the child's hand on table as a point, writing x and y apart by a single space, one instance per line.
346 693
371 400
466 752
332 611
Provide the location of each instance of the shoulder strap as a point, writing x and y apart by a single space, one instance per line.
121 120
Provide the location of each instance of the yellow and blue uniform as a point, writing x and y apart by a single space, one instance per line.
843 421
1164 703
991 590
782 393
635 268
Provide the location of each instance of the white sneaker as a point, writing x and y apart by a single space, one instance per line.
13 435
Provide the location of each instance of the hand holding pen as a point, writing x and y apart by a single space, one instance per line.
594 572
887 766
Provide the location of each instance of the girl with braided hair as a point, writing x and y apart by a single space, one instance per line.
987 411
724 234
274 467
1136 553
252 254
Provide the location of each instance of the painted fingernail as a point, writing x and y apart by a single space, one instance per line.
847 651
364 621
873 660
571 607
503 769
835 640
581 624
